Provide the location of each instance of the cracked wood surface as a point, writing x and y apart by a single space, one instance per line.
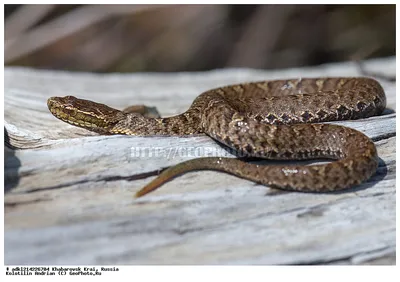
69 192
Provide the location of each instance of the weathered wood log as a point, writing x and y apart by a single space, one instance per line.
69 192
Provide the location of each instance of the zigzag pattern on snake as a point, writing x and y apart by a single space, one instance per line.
275 119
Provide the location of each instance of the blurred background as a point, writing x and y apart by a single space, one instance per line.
167 38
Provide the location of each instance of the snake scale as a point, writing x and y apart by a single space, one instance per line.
276 119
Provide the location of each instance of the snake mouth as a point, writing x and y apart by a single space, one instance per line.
81 112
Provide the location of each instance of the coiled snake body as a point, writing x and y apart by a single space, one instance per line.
268 119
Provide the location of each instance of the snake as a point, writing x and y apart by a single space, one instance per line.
272 119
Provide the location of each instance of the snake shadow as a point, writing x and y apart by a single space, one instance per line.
380 174
387 111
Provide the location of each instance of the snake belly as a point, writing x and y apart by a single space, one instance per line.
276 119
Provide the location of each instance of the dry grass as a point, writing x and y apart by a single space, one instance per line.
132 38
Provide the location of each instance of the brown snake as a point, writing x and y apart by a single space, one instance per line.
267 119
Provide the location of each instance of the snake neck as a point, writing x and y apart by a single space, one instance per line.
138 125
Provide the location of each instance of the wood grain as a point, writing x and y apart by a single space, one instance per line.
68 196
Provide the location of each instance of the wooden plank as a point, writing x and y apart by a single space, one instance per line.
69 192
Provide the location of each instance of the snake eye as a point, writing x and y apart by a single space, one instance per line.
70 110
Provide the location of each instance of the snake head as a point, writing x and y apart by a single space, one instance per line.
84 113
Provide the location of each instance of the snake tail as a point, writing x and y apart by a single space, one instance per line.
355 161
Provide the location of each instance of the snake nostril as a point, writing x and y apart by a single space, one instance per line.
50 102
